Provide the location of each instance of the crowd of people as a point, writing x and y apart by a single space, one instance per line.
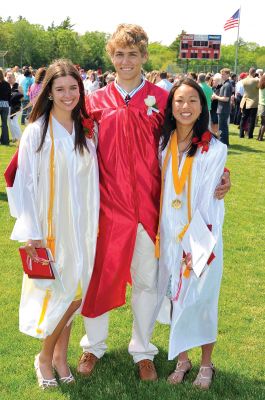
237 99
91 187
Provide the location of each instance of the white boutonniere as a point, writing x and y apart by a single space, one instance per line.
150 101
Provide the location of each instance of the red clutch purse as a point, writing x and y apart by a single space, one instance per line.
39 269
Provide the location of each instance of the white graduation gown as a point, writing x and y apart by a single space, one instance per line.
194 314
75 221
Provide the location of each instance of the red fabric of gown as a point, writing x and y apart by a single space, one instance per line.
129 176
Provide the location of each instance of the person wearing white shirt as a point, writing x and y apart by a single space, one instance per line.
164 82
91 84
56 202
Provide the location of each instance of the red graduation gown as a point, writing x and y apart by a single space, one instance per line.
129 188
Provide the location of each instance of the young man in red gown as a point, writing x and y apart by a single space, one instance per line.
130 114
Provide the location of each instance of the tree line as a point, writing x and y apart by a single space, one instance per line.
32 44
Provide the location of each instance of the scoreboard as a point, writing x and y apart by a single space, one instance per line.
200 47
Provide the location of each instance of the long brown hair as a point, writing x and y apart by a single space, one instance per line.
43 105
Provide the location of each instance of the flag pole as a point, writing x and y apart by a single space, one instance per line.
237 41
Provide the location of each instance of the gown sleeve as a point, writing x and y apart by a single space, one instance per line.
27 225
211 209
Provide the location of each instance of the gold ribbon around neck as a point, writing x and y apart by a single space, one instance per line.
179 183
50 238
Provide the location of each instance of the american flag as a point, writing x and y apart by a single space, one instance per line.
232 22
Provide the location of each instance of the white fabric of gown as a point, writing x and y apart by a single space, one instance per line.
75 220
194 314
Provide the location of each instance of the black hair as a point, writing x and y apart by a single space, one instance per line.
200 125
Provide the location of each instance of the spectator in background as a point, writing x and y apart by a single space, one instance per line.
233 80
262 107
259 72
216 86
193 76
249 103
152 76
17 72
5 96
239 91
91 84
163 82
26 82
223 107
82 74
207 90
110 78
35 88
101 80
15 106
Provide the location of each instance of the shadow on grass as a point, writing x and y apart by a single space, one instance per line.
3 196
238 147
115 377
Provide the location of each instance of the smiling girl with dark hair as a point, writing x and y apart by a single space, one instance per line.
193 163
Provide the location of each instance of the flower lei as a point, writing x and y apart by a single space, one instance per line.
204 142
88 126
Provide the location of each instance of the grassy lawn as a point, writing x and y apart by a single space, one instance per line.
240 352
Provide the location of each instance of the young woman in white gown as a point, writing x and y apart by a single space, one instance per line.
57 178
193 163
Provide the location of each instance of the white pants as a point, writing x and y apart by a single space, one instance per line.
144 271
14 127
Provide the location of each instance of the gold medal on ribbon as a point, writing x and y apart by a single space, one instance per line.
176 203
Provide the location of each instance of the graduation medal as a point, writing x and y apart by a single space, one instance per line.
176 203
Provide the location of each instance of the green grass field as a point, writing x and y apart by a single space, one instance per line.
240 352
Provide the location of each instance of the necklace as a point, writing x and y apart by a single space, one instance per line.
185 148
181 141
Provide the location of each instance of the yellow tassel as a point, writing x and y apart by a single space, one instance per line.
157 247
182 233
51 245
44 309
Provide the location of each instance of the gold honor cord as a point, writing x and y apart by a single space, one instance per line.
50 238
179 183
163 172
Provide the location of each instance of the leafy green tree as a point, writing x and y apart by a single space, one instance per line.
66 24
160 56
68 45
31 44
94 53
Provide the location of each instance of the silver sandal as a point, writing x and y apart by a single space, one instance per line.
65 379
43 383
202 381
182 369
